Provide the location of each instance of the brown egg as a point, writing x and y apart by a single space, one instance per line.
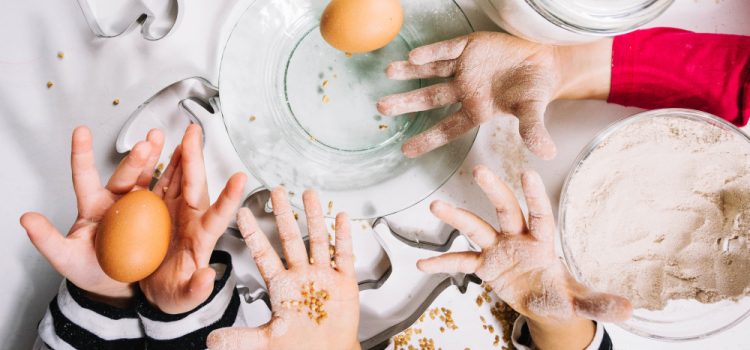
133 237
361 25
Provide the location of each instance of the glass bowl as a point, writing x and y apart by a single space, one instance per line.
302 114
680 320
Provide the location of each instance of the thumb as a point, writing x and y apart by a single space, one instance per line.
602 307
238 338
47 239
533 132
200 287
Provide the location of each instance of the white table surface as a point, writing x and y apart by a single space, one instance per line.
36 123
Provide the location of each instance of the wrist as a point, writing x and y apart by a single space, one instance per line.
122 302
585 70
575 333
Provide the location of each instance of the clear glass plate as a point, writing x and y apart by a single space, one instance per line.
301 114
680 320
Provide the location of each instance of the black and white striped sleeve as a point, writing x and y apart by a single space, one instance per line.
189 330
521 337
73 321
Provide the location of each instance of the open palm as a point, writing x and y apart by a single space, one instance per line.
73 256
494 74
184 279
519 260
315 301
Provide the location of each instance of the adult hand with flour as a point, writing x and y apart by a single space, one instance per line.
315 299
518 260
496 74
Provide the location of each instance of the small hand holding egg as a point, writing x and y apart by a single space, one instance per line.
315 300
494 74
74 255
184 279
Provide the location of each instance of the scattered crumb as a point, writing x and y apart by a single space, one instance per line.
50 84
312 300
324 84
159 170
326 99
348 55
60 55
296 216
330 207
116 102
252 118
382 126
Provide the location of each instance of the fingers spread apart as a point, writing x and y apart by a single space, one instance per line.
126 176
316 229
268 262
156 139
86 181
478 230
165 181
534 133
194 187
458 262
509 213
440 51
448 129
541 219
403 70
430 97
344 255
47 240
216 219
289 233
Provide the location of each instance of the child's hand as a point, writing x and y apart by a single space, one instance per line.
184 280
496 74
74 256
519 261
315 301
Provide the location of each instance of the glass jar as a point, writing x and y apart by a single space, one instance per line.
571 21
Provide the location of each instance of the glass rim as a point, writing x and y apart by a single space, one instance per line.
638 17
587 151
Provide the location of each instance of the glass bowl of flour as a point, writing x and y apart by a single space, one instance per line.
657 209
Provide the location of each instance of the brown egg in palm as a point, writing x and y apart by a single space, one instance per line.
356 26
133 237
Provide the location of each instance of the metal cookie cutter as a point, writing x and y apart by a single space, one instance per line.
385 311
197 102
111 18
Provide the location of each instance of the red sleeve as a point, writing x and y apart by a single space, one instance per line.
664 67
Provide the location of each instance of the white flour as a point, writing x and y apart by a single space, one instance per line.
661 211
